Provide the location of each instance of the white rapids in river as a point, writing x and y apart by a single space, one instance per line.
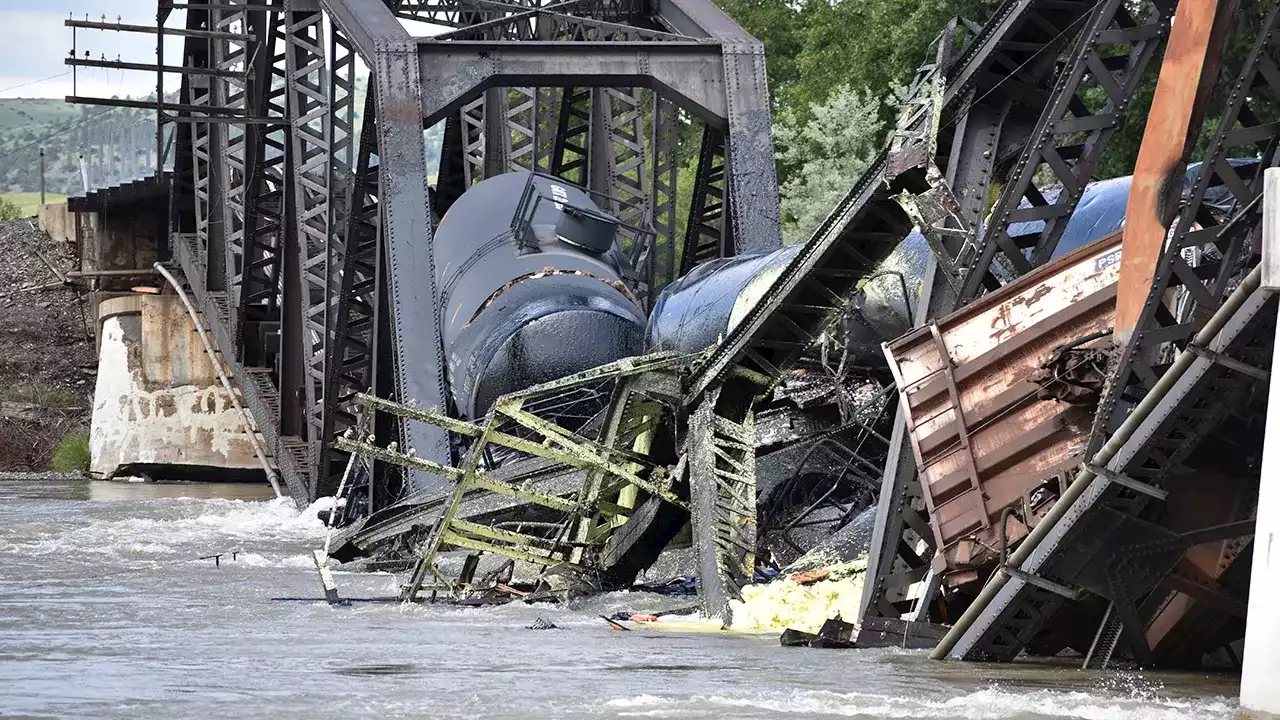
108 611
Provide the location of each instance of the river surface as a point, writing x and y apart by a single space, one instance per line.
107 611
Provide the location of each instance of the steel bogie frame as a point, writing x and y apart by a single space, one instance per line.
1218 384
303 222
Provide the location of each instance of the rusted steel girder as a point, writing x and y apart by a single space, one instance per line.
1187 76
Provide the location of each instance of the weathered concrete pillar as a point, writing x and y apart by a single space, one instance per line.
158 408
1259 688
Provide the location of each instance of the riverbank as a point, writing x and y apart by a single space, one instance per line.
47 358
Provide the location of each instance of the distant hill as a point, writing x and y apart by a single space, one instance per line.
28 113
27 125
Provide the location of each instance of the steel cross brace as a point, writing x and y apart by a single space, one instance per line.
559 445
1068 140
1193 405
962 268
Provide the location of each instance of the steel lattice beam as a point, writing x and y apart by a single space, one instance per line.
312 153
1111 53
1201 396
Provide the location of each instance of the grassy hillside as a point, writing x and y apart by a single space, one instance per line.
28 125
21 113
29 202
60 129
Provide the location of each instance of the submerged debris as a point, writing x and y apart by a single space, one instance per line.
614 624
803 605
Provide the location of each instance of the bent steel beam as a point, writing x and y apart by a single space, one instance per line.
1187 76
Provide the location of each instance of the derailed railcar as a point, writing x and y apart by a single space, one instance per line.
999 401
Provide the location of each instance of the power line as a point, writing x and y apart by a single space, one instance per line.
56 133
33 82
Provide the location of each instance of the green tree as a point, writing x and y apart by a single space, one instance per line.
815 46
9 209
822 154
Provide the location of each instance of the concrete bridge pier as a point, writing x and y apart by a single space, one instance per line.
1259 689
159 409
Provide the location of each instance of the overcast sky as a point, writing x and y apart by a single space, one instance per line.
34 43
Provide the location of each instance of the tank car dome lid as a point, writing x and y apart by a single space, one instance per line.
536 206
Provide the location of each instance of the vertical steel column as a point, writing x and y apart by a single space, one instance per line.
353 315
570 155
406 231
341 106
451 178
665 146
231 92
206 168
708 235
618 165
472 118
497 141
751 177
521 133
265 205
722 497
546 105
311 120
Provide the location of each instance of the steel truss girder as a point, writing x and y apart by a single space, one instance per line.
1068 141
1002 65
463 13
1193 406
963 154
1160 332
1244 122
542 24
457 71
608 463
255 173
722 83
294 198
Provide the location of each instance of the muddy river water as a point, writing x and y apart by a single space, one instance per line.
107 610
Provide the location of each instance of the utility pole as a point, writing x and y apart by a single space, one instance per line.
42 177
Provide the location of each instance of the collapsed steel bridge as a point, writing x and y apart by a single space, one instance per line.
303 223
306 237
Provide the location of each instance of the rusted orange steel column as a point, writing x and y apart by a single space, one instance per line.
1187 76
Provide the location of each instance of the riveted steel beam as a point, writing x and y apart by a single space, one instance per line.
455 72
